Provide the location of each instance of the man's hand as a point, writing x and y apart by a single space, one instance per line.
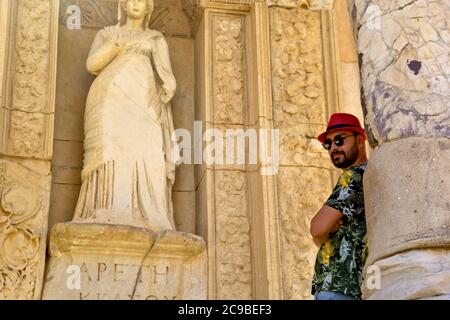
319 241
337 226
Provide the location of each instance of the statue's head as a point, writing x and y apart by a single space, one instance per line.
135 9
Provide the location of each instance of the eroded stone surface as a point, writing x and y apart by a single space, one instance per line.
414 274
306 4
299 110
25 197
233 247
300 194
404 49
406 193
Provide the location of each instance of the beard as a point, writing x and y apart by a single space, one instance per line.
346 159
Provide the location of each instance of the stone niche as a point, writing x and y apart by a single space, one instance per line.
98 261
174 20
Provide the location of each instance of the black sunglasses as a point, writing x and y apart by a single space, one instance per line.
338 141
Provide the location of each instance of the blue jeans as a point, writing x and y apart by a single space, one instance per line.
330 295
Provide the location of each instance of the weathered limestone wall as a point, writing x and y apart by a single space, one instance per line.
27 73
404 48
73 83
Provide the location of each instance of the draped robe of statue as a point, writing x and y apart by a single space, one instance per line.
128 171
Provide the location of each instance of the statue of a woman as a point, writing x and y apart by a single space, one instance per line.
128 172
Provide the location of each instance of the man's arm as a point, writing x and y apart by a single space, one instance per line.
323 223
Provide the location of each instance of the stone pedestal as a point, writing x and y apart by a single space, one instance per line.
113 262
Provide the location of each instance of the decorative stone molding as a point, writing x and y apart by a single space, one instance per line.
28 104
25 196
27 109
228 70
305 4
233 247
267 280
224 219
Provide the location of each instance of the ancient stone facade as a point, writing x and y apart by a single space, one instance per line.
269 66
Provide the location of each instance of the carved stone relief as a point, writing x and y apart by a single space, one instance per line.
28 103
228 70
233 246
232 226
299 113
27 117
24 191
305 4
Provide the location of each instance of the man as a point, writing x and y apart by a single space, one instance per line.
339 228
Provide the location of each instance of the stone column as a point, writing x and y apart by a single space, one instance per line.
27 71
404 53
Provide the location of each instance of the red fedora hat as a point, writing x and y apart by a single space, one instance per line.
342 121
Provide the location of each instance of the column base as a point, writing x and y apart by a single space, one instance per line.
407 200
416 274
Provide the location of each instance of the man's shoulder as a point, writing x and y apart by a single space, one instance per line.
359 169
352 175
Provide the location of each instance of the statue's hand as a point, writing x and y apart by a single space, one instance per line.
165 96
120 48
116 45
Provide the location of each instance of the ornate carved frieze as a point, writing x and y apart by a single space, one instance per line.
28 100
232 223
27 108
173 18
305 4
25 194
233 247
228 70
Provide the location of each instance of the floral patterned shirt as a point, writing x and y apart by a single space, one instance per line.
340 260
